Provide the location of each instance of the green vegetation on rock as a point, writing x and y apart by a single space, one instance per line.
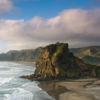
90 55
56 62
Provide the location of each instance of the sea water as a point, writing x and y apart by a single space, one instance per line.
12 87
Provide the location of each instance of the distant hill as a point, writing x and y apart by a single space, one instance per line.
90 55
21 55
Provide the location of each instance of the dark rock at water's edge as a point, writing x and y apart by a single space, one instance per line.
56 62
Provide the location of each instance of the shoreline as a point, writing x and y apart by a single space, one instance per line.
31 63
25 62
70 89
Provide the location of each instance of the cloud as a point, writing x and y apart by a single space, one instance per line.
76 26
5 6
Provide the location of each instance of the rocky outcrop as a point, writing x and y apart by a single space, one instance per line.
56 62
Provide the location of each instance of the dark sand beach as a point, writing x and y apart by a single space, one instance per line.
70 89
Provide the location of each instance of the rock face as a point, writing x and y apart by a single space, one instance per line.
56 62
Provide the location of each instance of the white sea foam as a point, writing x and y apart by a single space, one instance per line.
4 80
20 94
39 94
14 88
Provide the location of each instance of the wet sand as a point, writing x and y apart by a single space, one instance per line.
28 63
70 89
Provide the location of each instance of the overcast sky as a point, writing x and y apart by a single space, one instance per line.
26 24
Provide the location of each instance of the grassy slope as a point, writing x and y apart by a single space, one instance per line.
89 55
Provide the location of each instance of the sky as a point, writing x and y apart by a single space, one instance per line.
27 24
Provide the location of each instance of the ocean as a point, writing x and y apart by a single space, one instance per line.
12 87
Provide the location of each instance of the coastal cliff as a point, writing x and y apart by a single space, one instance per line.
56 62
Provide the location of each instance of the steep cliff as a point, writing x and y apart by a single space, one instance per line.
56 62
